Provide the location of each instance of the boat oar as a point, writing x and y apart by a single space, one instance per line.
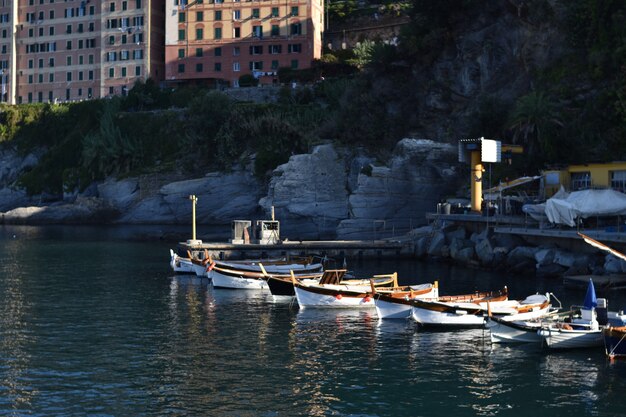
263 271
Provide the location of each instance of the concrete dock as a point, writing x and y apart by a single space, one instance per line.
337 249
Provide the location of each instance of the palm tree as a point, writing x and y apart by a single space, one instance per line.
534 122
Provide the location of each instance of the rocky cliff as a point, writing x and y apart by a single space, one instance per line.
329 193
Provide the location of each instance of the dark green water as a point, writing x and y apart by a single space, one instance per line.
92 322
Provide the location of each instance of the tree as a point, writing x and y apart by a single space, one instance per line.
534 123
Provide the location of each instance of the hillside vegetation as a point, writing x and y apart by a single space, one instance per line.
565 103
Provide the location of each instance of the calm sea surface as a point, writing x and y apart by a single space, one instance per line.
93 322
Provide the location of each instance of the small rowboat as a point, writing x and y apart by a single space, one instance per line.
333 293
473 313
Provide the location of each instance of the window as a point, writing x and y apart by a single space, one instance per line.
294 10
275 12
181 53
236 51
124 39
181 68
69 61
199 67
257 31
255 13
256 50
31 63
218 67
294 64
199 16
40 63
112 7
181 17
68 76
89 92
275 30
181 34
218 15
199 34
123 71
81 60
138 4
218 51
68 45
40 78
580 180
256 65
236 32
236 14
275 49
124 5
90 59
137 70
294 48
296 28
90 74
236 67
51 62
51 77
51 14
218 33
111 40
51 31
618 180
274 64
80 75
80 28
199 52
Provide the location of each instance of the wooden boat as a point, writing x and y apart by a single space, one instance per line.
334 293
580 332
180 265
282 284
399 307
615 342
473 313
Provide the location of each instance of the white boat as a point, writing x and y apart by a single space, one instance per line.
580 332
473 314
353 294
180 265
237 279
394 307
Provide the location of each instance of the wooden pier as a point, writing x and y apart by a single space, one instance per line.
337 249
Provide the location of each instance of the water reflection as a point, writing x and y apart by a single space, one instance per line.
16 334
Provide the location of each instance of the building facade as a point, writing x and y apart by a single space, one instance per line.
67 50
214 42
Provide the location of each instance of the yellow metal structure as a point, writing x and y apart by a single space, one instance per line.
477 181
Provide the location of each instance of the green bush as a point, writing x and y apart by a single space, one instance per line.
248 80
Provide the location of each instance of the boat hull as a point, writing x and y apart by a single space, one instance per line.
235 282
309 299
513 331
456 318
570 339
615 342
392 310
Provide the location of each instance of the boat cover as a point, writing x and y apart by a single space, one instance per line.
584 204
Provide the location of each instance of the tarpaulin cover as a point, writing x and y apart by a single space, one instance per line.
584 204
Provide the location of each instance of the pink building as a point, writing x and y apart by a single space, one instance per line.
217 41
53 50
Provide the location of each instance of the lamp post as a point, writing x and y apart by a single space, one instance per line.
193 240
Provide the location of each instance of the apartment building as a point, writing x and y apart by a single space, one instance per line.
67 50
216 41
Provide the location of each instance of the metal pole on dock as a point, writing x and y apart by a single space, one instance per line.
193 241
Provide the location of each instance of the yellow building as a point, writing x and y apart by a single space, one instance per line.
580 177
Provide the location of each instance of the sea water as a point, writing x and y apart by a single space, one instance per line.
93 322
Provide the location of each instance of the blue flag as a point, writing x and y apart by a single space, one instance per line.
590 298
